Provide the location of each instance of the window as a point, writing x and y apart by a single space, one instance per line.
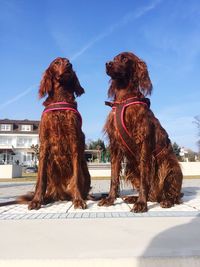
5 127
26 128
24 141
5 140
27 157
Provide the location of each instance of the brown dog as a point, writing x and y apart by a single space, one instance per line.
136 135
63 172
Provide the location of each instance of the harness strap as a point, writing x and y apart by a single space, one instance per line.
63 106
119 108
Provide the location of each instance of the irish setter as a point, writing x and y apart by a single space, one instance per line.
63 172
137 136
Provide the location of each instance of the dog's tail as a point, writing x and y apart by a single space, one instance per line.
24 199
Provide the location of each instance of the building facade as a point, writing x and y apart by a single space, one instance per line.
16 139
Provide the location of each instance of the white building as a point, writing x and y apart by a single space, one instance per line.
16 138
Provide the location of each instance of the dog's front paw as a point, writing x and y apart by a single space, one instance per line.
108 201
140 206
35 204
166 204
130 199
79 204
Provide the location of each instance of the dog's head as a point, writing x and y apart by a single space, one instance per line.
60 72
128 70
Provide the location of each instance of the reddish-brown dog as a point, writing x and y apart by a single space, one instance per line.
137 136
63 172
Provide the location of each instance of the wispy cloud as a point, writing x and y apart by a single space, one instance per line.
123 21
143 10
17 97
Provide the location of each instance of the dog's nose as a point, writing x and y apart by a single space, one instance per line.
109 64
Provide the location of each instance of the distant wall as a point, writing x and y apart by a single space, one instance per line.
190 168
103 170
100 173
98 170
10 171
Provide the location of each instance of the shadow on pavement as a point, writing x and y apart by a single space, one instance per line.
177 246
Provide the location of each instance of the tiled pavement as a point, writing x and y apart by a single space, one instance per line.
65 210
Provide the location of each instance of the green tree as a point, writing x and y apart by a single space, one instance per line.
107 154
104 152
197 122
176 149
98 144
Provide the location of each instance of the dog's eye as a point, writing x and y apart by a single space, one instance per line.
57 62
124 59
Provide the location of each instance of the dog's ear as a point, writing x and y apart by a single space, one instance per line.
111 90
78 89
46 83
141 77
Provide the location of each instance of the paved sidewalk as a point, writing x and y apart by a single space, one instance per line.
65 210
58 235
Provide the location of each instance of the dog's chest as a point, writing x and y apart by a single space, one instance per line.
112 129
125 132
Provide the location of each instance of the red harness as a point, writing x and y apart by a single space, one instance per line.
63 106
119 109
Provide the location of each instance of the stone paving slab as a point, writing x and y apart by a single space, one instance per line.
59 235
92 206
65 210
57 207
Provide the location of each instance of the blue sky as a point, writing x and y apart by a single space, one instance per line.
164 33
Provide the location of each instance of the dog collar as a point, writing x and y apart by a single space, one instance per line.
63 106
129 101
